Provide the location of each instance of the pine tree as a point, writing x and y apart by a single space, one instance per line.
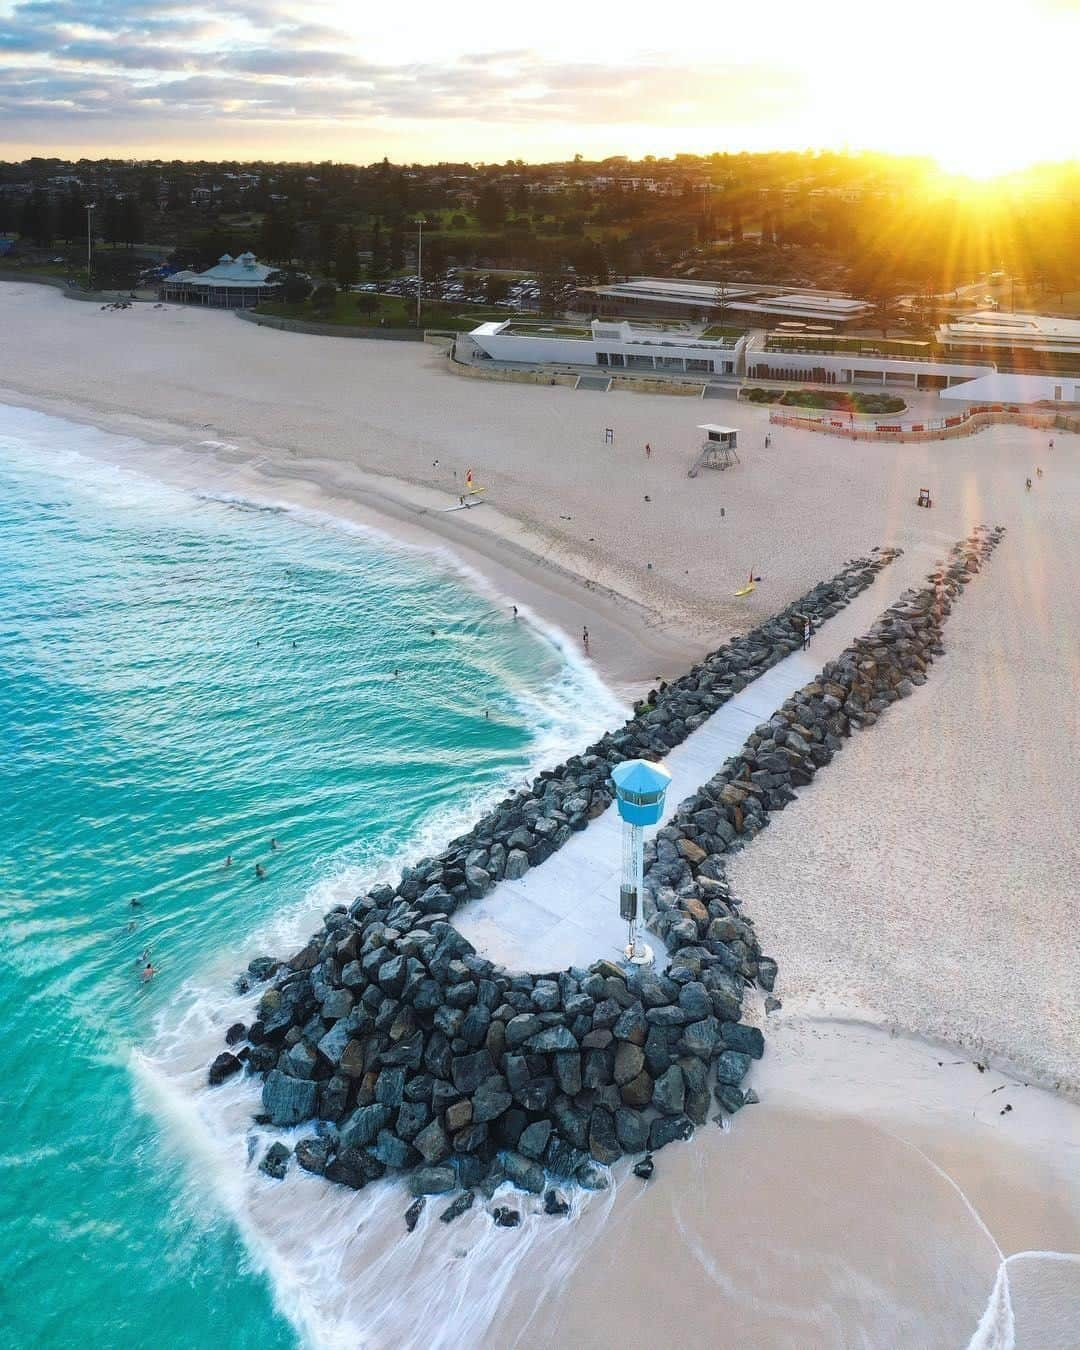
328 242
36 221
346 267
131 228
397 248
72 221
112 227
378 251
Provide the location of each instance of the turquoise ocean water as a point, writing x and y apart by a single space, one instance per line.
184 677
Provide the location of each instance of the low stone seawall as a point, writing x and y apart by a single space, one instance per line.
329 329
416 1054
413 1052
473 372
644 384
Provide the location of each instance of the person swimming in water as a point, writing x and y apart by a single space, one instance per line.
228 860
135 902
273 843
148 973
260 871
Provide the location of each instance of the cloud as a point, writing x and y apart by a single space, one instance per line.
261 61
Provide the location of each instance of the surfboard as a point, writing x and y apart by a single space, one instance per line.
463 506
747 589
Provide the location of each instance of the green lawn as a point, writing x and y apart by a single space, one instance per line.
719 330
393 312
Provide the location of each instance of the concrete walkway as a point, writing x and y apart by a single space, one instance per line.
566 911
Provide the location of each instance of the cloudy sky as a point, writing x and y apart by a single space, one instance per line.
984 84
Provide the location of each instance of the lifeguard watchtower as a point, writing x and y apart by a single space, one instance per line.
717 449
640 788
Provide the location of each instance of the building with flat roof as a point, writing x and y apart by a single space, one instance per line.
755 306
232 283
614 347
991 331
623 349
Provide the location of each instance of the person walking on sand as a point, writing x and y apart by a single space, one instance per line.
585 640
648 450
1038 473
807 633
1027 483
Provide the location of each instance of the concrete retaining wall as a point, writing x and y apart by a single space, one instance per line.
329 329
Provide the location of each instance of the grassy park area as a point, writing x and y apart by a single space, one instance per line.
369 310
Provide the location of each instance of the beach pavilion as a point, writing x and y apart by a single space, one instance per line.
232 283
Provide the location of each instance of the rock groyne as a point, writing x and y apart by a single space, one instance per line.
413 1053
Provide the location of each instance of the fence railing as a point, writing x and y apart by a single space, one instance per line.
930 429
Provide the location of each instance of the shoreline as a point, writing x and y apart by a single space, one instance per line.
629 646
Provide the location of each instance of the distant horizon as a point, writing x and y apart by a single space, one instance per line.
70 155
984 87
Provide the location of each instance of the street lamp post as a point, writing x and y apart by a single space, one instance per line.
420 223
89 245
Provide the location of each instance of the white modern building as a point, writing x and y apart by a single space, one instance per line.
233 283
768 361
993 331
615 347
752 305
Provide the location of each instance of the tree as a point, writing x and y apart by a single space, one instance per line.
292 286
346 264
551 282
490 207
131 227
35 223
377 266
323 298
277 238
112 224
397 248
71 224
326 248
496 289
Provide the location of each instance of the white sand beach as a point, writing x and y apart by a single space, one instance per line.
928 881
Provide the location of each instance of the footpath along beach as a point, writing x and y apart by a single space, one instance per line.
920 897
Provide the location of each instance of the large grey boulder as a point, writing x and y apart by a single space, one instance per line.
669 1092
288 1101
517 864
525 1174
